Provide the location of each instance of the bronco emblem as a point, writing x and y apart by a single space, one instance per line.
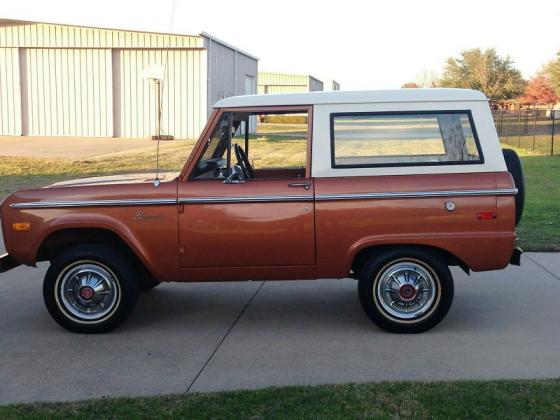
140 215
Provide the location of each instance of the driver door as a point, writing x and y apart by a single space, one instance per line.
263 222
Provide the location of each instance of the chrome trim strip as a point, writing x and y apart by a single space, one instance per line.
262 198
94 203
415 194
247 199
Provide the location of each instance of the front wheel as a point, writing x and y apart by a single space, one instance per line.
90 289
406 290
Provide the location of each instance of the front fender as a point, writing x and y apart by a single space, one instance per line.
154 242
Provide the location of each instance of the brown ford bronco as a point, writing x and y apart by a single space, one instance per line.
388 187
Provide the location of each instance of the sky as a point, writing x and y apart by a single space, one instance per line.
360 44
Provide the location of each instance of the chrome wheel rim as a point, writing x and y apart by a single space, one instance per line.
88 291
406 290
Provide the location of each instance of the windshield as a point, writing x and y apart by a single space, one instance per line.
217 143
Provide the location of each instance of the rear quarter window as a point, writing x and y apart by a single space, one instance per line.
403 139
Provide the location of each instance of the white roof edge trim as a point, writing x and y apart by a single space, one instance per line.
354 97
225 44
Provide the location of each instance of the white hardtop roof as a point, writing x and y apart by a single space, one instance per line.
354 97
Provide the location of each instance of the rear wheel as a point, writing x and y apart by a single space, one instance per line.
90 289
406 290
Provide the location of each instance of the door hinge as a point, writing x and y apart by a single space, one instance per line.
180 208
181 250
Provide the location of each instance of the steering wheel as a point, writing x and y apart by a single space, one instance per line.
243 162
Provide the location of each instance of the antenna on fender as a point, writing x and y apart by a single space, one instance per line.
158 129
157 74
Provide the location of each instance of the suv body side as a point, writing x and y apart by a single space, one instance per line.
285 232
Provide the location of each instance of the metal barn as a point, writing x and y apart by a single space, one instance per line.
332 85
61 80
287 83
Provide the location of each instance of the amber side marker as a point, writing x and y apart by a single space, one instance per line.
21 227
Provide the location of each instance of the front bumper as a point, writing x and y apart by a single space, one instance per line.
7 263
516 256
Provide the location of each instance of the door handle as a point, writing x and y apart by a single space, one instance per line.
305 185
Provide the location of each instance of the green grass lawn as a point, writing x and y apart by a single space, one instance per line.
24 172
539 229
527 399
539 144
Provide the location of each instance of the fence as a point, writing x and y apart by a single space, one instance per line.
532 129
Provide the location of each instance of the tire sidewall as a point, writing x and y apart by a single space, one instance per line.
371 275
107 258
514 167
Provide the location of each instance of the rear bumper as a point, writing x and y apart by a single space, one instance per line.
7 263
516 256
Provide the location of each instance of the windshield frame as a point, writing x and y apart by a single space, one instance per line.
190 165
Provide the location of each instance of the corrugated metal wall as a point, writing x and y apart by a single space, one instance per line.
63 99
287 83
10 93
90 82
225 82
282 83
29 34
271 89
183 93
315 84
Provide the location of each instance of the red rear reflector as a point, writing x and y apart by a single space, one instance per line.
486 215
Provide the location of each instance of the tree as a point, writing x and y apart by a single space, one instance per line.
427 79
552 70
485 71
410 85
539 91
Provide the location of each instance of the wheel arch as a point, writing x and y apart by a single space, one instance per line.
362 255
60 239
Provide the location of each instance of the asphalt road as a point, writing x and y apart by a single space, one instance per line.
220 336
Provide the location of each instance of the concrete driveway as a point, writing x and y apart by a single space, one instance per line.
219 336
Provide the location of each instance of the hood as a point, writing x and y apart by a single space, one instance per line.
115 179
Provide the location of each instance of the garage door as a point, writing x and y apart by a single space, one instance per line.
69 92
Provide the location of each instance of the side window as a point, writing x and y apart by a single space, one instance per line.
279 141
274 144
407 138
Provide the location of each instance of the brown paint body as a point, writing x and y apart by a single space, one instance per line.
299 239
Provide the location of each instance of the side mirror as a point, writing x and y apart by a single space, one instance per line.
236 176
